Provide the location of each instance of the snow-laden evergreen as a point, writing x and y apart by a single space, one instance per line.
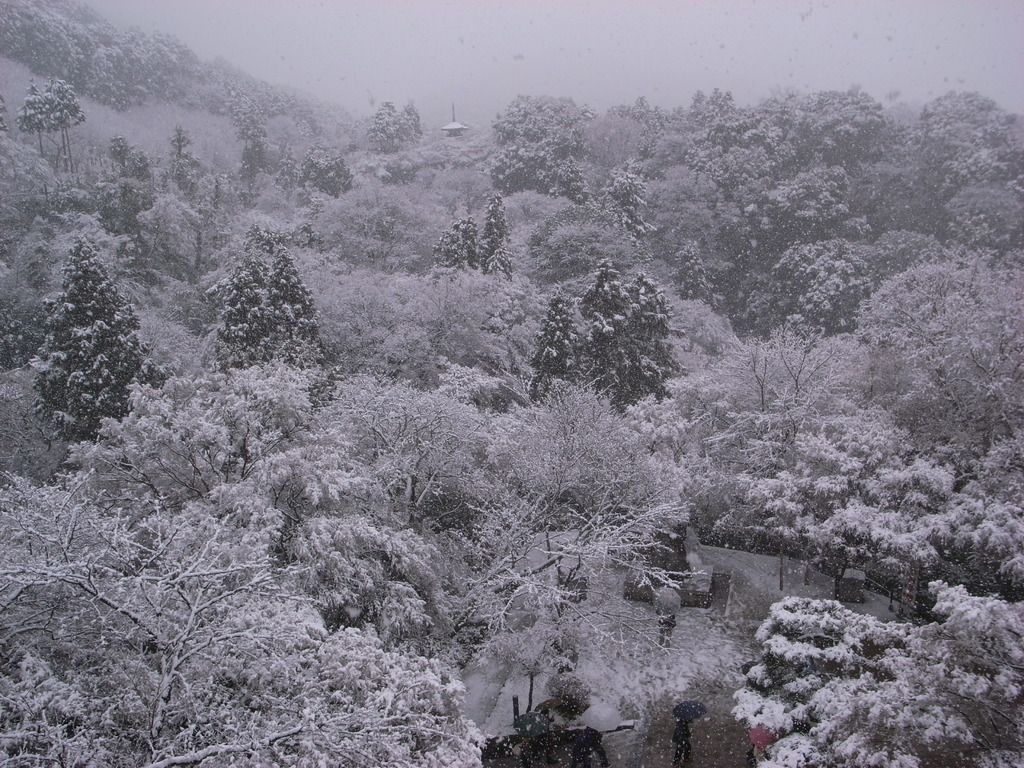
494 240
557 347
625 349
243 338
625 197
267 312
841 688
458 248
91 354
295 334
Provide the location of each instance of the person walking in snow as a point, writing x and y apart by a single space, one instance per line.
681 738
588 741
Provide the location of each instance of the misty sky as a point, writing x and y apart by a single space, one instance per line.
481 53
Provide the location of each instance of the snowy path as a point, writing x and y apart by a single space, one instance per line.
708 647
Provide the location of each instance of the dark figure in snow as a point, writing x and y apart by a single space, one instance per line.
588 741
529 750
540 745
681 738
547 741
666 623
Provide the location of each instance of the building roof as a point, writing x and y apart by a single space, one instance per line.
453 126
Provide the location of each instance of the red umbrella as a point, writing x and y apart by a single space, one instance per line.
762 737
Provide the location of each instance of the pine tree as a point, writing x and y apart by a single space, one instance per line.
92 352
650 361
64 114
296 336
244 336
625 197
626 352
494 252
458 247
33 117
557 343
605 308
267 313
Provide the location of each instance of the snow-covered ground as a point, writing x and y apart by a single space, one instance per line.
626 668
755 583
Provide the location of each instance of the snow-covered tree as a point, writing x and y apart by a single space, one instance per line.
494 241
821 285
250 121
419 446
387 128
809 207
979 529
692 275
92 353
734 422
390 129
651 361
850 493
184 167
951 340
55 109
557 347
244 336
33 116
267 312
840 128
625 197
965 139
572 243
459 248
842 688
541 142
606 308
326 173
295 335
64 113
580 494
127 192
191 578
626 350
412 127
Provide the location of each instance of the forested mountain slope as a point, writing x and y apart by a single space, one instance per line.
301 412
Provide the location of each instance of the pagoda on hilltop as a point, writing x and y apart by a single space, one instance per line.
454 129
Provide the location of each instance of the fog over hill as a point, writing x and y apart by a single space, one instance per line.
482 54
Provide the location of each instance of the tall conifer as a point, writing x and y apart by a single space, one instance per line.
92 352
494 254
458 247
295 334
243 338
557 343
626 351
267 312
